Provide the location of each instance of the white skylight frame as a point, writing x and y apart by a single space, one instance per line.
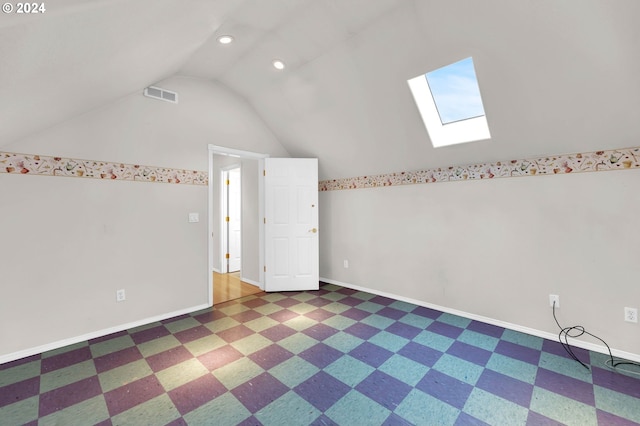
469 130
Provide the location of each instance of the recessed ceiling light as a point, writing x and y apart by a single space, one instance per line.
278 64
225 39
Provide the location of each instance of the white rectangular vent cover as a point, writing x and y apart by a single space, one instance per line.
162 94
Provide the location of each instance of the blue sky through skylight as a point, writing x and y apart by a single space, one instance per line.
456 92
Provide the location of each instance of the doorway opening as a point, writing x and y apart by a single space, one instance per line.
229 282
280 203
235 245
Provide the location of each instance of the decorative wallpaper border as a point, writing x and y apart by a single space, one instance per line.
70 167
598 161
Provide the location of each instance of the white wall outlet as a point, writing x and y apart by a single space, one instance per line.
630 314
194 217
554 298
345 263
120 296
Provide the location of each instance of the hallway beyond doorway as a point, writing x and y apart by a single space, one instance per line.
229 287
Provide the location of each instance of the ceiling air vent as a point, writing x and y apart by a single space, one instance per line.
162 94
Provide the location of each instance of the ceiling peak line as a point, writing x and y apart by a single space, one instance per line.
596 161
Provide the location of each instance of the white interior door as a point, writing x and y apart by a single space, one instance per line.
234 214
291 224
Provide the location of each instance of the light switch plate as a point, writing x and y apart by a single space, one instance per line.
194 217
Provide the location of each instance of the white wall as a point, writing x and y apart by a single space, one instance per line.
250 222
497 248
70 243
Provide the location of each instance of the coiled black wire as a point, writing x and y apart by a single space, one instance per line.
577 331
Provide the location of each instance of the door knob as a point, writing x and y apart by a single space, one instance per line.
314 230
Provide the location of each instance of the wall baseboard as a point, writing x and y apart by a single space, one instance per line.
93 335
515 327
252 282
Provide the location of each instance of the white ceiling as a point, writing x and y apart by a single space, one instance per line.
555 76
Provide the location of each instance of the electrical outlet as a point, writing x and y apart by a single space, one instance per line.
120 296
630 314
346 264
554 298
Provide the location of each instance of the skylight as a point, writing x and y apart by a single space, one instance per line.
455 91
450 104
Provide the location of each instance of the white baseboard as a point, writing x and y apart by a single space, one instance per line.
252 282
246 280
515 327
93 335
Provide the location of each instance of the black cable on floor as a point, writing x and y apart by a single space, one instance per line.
578 331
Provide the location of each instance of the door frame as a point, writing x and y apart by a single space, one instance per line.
224 207
237 153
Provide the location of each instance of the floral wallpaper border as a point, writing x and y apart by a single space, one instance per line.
70 167
598 161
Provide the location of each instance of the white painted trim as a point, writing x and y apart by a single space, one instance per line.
216 270
221 150
252 282
515 327
210 225
261 213
95 334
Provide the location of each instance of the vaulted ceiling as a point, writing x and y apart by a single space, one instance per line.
555 76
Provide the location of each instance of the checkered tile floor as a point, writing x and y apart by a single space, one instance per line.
327 357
